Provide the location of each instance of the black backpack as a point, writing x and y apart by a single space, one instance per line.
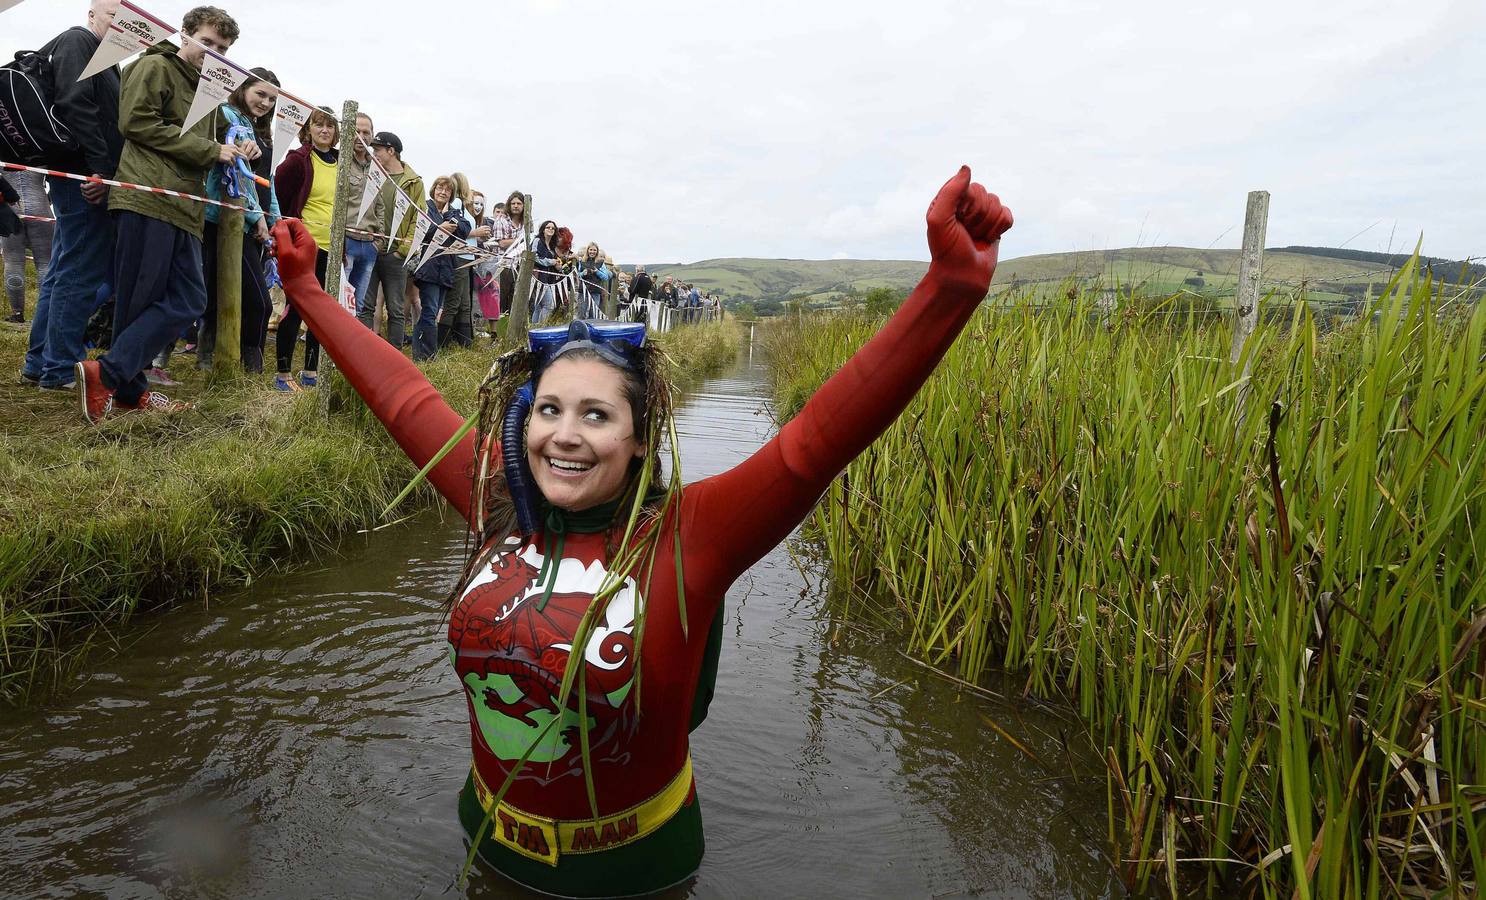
30 132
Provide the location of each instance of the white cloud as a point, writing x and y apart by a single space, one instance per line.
671 130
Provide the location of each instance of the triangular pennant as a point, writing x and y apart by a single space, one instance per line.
289 116
421 240
457 248
431 249
7 4
401 203
219 78
375 178
132 31
511 257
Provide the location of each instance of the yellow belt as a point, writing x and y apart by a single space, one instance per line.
541 838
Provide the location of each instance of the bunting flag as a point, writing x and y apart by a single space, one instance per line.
219 78
426 226
132 31
458 248
401 203
375 178
418 247
511 256
289 116
7 4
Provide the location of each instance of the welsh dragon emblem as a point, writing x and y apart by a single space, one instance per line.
511 651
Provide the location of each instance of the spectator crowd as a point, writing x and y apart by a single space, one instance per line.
134 273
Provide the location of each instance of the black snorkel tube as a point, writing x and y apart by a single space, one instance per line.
513 458
617 342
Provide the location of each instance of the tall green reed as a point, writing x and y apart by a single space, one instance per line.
1273 623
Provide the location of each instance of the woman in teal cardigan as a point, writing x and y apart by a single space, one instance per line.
251 106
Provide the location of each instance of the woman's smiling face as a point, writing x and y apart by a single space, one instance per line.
322 132
581 436
261 98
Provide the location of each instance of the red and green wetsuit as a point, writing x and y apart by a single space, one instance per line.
510 649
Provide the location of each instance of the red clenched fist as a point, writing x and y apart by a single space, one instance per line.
965 228
295 250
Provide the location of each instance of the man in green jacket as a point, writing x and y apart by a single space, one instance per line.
158 284
390 278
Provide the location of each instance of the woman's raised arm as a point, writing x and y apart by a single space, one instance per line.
398 394
731 520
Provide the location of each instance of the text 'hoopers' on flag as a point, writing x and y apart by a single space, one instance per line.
132 31
289 115
219 78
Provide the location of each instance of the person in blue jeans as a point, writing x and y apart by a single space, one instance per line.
435 277
360 234
82 245
158 283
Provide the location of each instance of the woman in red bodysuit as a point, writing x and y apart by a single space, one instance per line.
588 791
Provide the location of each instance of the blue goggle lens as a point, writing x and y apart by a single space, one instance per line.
618 342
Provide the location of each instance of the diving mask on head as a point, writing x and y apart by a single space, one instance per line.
618 343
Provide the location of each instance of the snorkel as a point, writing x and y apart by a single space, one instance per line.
237 173
618 343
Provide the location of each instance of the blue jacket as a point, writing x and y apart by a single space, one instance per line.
252 209
594 275
440 269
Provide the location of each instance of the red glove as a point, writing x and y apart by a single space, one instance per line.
741 513
295 250
965 228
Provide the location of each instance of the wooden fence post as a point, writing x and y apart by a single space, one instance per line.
1250 269
1246 303
337 248
227 352
611 295
520 317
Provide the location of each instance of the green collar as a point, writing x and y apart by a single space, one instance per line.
594 520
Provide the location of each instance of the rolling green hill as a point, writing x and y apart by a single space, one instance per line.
1319 275
788 279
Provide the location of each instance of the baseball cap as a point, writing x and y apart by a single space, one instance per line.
387 139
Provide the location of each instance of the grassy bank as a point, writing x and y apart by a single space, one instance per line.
1275 625
98 524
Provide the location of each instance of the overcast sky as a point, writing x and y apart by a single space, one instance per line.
679 131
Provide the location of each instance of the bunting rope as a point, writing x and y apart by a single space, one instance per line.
126 185
133 30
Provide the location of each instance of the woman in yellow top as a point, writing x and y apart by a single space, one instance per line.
305 182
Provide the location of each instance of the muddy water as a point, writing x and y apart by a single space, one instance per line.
306 737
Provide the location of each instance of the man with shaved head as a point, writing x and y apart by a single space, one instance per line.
82 247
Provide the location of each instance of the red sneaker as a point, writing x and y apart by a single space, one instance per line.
154 401
96 400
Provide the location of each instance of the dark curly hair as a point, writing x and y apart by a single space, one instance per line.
203 16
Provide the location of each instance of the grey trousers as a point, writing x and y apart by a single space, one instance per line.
390 279
456 323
